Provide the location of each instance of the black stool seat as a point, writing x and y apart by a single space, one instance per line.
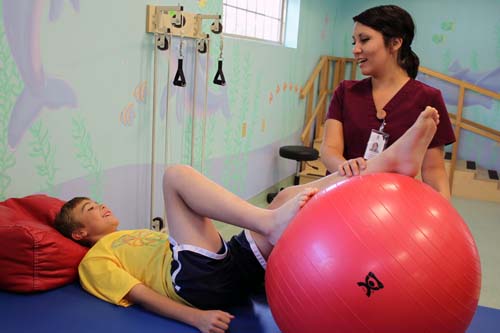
299 153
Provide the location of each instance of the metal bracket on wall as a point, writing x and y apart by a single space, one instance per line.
161 18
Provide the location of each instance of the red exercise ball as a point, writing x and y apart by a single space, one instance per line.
377 253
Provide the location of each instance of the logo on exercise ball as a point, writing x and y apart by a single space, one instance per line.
371 284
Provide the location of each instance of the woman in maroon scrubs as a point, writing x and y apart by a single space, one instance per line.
381 107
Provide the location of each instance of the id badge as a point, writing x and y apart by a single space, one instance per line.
376 143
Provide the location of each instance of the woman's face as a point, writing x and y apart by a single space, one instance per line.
369 50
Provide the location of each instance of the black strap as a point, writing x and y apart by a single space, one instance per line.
219 76
179 79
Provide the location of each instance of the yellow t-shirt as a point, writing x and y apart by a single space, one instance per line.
123 259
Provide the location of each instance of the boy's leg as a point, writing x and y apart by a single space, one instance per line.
404 156
191 199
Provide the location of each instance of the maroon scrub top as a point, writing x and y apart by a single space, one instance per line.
352 104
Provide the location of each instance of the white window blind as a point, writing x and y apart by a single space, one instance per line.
256 19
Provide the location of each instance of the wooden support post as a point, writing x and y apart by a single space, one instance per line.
458 125
336 75
353 70
323 89
309 111
342 70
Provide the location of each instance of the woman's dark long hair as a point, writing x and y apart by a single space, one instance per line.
394 22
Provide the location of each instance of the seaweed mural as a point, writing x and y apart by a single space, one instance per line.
237 137
7 159
187 143
230 134
10 87
200 147
41 149
87 157
209 144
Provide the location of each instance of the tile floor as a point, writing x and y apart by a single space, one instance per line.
483 219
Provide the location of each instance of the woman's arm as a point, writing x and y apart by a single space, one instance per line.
434 172
205 321
332 149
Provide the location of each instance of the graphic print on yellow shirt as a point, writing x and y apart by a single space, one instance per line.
139 238
123 259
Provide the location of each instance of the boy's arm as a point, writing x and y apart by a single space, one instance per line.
206 321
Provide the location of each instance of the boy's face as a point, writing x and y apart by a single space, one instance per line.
97 220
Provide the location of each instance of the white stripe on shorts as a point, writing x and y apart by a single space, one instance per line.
255 249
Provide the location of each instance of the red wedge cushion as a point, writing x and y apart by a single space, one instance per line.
33 255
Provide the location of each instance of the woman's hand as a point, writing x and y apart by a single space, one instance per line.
352 167
213 321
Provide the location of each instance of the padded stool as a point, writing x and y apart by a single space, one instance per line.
299 154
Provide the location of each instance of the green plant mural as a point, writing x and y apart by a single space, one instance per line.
243 116
446 60
204 150
10 87
192 145
87 157
237 144
41 149
232 134
192 142
197 144
446 28
187 142
438 39
203 145
7 158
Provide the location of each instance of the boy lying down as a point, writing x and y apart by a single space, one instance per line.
192 274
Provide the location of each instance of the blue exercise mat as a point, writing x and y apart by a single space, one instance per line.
71 309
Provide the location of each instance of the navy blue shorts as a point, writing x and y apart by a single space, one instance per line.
219 280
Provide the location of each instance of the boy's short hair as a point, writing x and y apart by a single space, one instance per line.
65 222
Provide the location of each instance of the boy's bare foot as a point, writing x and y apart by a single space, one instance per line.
283 215
407 153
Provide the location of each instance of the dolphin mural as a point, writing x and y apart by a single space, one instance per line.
56 7
489 80
22 29
185 98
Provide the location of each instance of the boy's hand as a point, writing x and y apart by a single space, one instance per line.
213 321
